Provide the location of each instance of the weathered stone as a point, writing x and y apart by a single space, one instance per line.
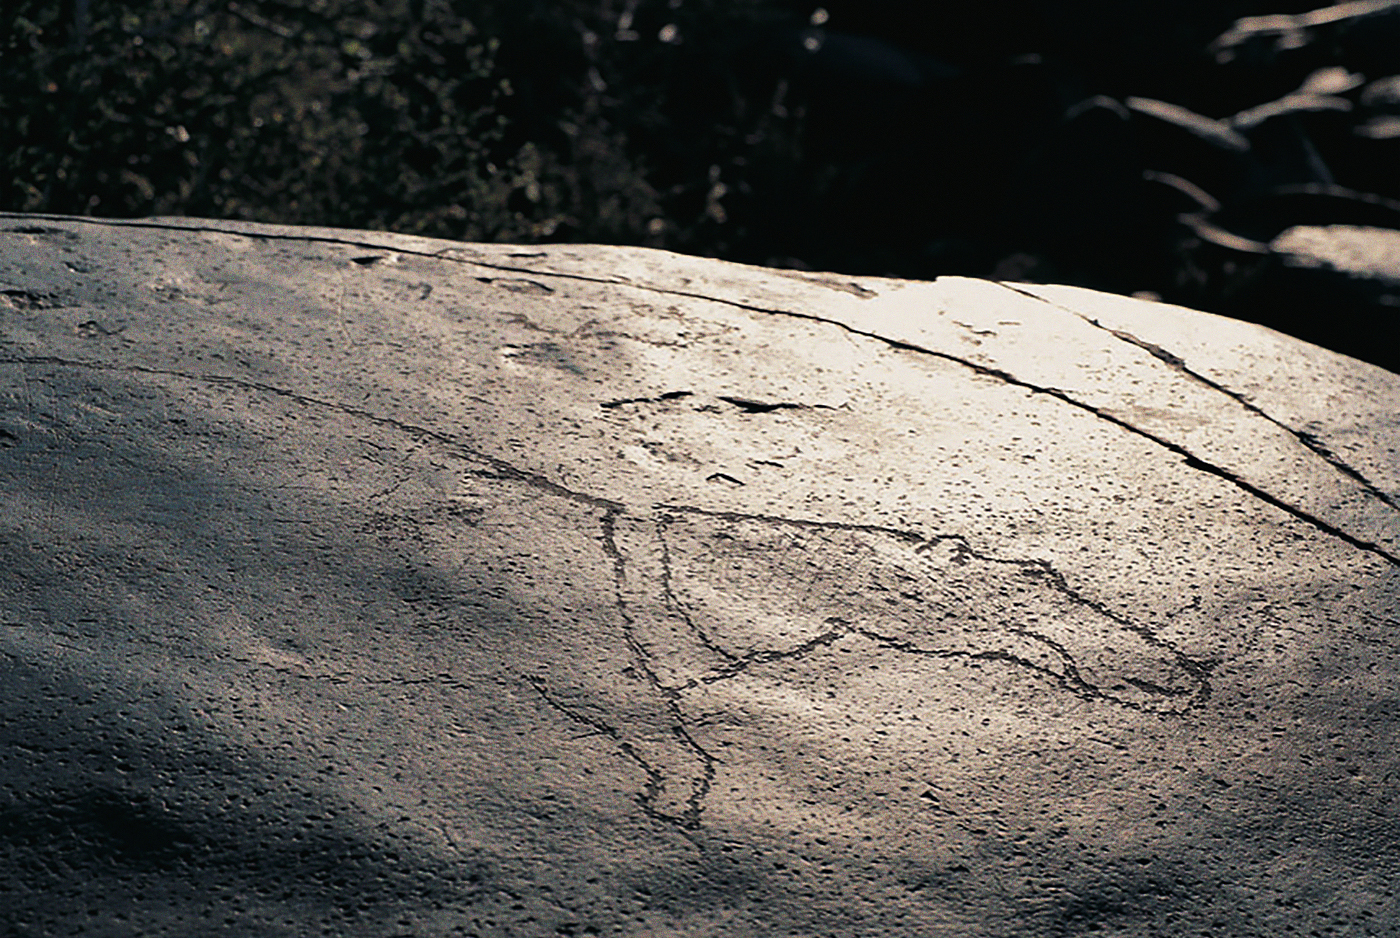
368 584
1351 250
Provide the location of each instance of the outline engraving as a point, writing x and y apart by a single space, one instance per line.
706 595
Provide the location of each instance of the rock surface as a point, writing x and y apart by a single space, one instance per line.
364 584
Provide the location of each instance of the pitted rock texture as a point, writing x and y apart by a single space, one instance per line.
358 583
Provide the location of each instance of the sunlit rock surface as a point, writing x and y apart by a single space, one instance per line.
366 584
1357 252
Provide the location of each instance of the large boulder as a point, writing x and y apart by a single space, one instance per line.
358 583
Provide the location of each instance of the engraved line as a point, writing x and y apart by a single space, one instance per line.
502 470
695 801
656 780
1199 671
668 590
499 468
1192 461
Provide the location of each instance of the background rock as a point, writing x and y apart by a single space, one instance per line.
371 584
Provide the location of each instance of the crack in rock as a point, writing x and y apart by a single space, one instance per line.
724 478
760 407
1180 365
1191 460
516 284
1307 439
667 396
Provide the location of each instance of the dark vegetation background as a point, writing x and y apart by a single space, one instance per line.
1128 147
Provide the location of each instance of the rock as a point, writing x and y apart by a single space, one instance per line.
369 584
1336 284
1351 250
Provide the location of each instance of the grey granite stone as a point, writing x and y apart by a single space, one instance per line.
357 583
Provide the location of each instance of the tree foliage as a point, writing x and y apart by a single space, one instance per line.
444 117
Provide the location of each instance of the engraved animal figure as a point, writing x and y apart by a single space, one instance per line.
706 595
